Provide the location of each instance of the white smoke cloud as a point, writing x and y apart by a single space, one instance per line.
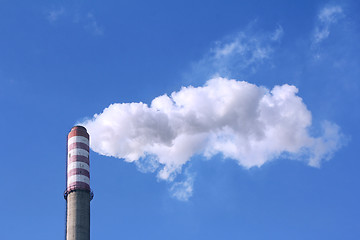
277 34
239 120
55 14
87 20
237 55
327 16
183 190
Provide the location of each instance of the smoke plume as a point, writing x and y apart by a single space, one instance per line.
238 120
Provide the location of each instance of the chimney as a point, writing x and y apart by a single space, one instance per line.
78 193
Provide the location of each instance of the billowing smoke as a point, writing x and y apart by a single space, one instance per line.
238 120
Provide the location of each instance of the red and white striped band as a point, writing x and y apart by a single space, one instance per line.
78 165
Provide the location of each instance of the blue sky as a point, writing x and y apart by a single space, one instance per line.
61 62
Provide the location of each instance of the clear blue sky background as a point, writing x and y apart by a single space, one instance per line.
63 61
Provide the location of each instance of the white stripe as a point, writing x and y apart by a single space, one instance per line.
78 178
80 139
78 151
81 165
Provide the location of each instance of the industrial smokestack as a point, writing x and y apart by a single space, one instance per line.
78 193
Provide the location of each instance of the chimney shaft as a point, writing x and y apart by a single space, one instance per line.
78 193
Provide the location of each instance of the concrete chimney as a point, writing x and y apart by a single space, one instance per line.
78 193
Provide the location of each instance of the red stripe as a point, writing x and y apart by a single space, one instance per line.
78 185
78 145
77 132
79 171
78 158
79 127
